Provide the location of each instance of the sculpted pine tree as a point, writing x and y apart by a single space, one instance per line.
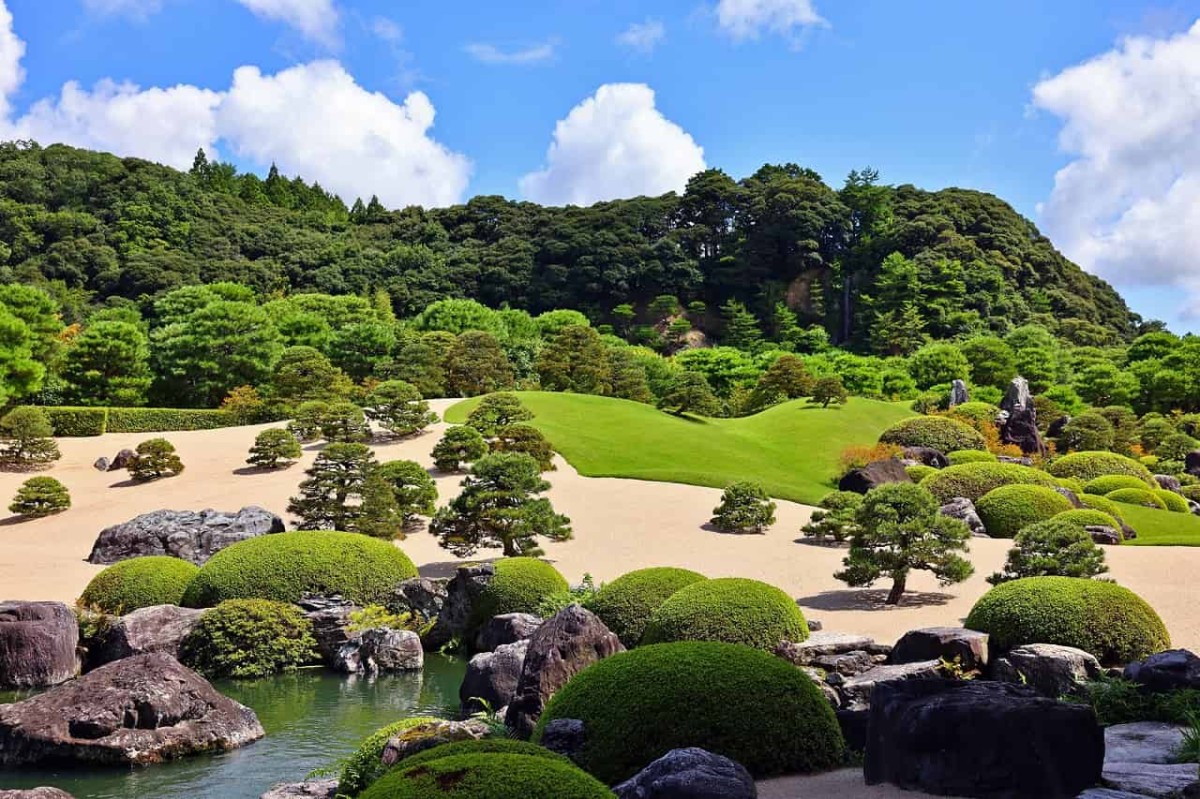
399 408
25 439
1053 548
274 448
40 496
576 359
497 410
745 507
306 422
690 392
331 496
155 458
528 439
304 373
344 422
499 507
829 391
415 491
379 515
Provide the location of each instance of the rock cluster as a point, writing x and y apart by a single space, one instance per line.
159 628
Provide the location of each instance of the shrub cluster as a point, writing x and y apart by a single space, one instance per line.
919 471
250 638
363 766
155 458
1137 496
139 583
1058 547
937 432
1088 466
730 609
1106 484
974 480
488 776
1007 509
626 604
745 507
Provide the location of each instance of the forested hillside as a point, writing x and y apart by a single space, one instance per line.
882 268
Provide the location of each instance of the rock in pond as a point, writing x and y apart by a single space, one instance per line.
690 773
330 617
38 644
159 628
492 677
381 650
140 710
191 535
461 593
506 628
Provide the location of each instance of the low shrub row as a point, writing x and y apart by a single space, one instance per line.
70 422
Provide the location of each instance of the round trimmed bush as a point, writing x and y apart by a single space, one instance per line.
363 766
1102 504
1137 496
919 471
1089 517
250 638
488 776
1090 465
283 566
1005 510
1172 501
975 413
937 432
139 583
969 456
1106 484
519 586
734 610
495 746
745 704
974 480
626 604
1111 622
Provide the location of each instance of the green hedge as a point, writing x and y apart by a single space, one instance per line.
519 586
969 456
1172 501
363 766
1106 484
745 704
1137 496
734 610
1005 510
1088 466
283 566
1102 504
77 422
488 776
1111 622
936 432
139 583
974 480
73 422
626 604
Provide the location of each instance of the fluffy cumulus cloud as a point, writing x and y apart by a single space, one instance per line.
12 49
317 20
614 144
642 37
1127 206
748 19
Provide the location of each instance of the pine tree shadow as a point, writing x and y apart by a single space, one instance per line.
871 599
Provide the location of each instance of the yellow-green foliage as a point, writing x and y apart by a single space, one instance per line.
734 610
1102 504
1137 496
919 471
1090 465
250 638
488 776
626 604
974 480
1111 622
1106 484
1089 517
937 432
970 456
139 583
363 766
519 586
1005 510
1172 501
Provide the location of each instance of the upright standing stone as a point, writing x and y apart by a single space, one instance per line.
38 644
1020 419
958 393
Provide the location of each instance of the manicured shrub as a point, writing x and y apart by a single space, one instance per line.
415 491
1007 509
306 422
496 411
333 494
745 507
155 458
919 471
40 496
283 566
639 705
1102 504
969 456
974 480
398 407
25 439
1176 447
1072 484
139 583
1089 431
836 518
974 413
1088 466
1172 501
488 776
1111 622
519 586
1106 484
458 447
527 439
1089 517
1058 547
77 422
730 609
626 604
344 423
363 766
937 432
250 638
166 420
1137 496
497 746
274 448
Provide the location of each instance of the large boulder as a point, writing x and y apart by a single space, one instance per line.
565 737
423 596
159 628
191 535
927 456
430 734
1166 671
963 509
858 692
958 393
506 628
143 709
1158 780
690 773
1143 742
1050 669
36 793
122 460
873 475
330 617
563 646
1019 419
101 464
826 644
321 788
38 644
967 648
492 677
381 650
462 592
985 739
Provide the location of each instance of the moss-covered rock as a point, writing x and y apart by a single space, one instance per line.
734 610
139 583
363 766
488 776
626 604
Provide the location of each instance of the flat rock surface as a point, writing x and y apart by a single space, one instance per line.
1142 742
1159 780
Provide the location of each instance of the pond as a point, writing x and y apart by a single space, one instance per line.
312 718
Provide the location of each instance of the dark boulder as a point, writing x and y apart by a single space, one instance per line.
422 596
967 648
381 650
827 644
1056 427
1105 535
1191 463
140 710
873 475
492 677
38 644
982 739
563 646
1019 419
507 628
1050 669
963 509
854 727
564 736
330 617
691 773
462 592
160 628
191 535
1166 671
122 460
858 692
101 464
927 456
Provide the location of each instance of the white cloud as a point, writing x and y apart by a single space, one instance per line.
748 19
12 50
387 29
315 120
1128 205
134 8
317 20
615 143
642 36
491 54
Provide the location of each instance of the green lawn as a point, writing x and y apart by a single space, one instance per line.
1161 528
792 449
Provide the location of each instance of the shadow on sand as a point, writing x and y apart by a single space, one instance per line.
873 599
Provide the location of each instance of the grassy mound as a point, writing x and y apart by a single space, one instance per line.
1005 510
139 583
730 609
283 566
500 746
363 766
488 776
1106 484
1102 504
519 586
736 701
1172 501
1088 466
792 450
626 604
1089 517
1111 622
974 480
1137 496
936 432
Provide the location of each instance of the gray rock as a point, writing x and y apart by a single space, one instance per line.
847 665
1108 793
1168 482
381 650
691 773
1166 671
423 596
191 535
1104 535
507 628
36 793
1050 669
160 628
1160 780
330 617
857 690
101 464
1142 742
823 644
122 460
873 475
1070 496
38 644
462 592
958 393
492 677
140 710
309 789
814 626
959 645
563 646
564 736
1019 424
927 456
431 734
963 509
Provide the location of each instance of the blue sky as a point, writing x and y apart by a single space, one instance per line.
937 93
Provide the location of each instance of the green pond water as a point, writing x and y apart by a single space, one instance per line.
312 718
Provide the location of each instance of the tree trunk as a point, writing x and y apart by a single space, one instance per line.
510 550
898 585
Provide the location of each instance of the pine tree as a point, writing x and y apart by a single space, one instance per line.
273 448
741 327
331 497
40 496
379 515
785 326
156 458
25 439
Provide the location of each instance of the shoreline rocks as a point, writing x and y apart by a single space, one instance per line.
39 644
159 628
